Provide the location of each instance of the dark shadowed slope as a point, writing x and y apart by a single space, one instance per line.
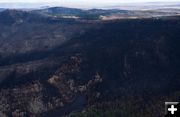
107 68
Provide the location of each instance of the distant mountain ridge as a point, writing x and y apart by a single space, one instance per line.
33 5
1 9
107 14
84 14
92 14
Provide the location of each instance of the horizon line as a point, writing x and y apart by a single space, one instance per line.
19 5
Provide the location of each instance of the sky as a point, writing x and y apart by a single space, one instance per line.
73 3
122 1
117 1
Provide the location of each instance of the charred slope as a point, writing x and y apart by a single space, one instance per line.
24 34
123 65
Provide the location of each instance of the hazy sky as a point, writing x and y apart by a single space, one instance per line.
76 1
72 3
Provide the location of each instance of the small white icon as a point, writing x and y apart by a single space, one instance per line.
172 109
